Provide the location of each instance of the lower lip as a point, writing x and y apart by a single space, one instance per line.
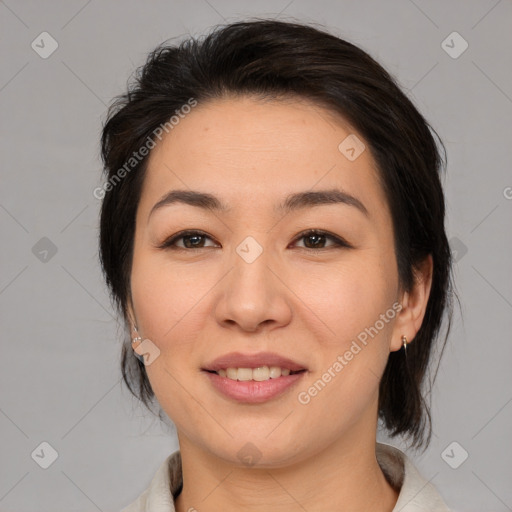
252 391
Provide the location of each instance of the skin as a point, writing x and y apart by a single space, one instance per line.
309 305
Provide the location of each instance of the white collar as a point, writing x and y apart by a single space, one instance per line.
415 493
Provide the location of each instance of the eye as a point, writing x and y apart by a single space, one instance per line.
193 239
316 240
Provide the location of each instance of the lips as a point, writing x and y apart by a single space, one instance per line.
257 360
259 389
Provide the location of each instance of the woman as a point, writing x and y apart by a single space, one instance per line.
272 231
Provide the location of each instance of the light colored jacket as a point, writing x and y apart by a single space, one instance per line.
415 495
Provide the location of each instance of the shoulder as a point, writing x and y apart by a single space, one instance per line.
166 483
416 494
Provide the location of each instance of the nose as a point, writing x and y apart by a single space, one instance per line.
254 295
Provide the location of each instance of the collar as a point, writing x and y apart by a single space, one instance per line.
415 493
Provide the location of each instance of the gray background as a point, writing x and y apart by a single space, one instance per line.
59 370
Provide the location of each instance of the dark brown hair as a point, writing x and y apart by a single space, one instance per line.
272 59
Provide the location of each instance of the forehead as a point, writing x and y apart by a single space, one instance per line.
252 152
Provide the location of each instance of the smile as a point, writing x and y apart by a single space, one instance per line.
259 374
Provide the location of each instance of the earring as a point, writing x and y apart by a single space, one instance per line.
136 338
404 341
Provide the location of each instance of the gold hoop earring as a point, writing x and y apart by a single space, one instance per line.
404 342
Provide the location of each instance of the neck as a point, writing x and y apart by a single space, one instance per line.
344 476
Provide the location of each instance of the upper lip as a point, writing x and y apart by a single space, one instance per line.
239 360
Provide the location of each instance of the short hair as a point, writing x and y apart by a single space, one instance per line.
277 59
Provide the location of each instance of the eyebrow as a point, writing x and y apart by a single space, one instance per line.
293 202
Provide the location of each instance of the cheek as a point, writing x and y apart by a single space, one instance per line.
166 305
358 308
352 298
162 295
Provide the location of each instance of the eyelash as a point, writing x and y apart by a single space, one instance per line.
170 243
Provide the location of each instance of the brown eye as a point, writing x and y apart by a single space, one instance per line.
315 239
191 240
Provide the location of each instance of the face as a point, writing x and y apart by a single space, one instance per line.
251 279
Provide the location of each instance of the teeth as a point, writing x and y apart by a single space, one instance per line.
258 374
243 373
232 373
274 372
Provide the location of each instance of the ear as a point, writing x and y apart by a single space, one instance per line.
414 305
130 314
